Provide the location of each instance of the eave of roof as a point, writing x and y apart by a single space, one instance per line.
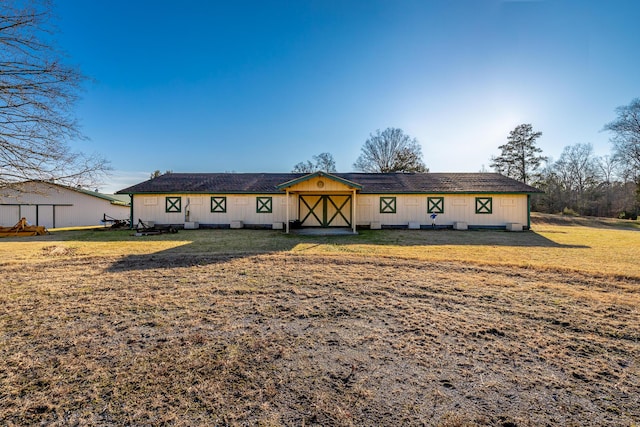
113 199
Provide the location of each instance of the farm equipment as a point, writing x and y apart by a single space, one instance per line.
115 223
150 229
23 228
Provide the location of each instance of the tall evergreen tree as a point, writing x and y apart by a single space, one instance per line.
520 158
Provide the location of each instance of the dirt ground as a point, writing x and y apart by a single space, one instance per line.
294 339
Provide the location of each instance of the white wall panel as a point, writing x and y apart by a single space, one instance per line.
36 202
408 208
239 207
9 215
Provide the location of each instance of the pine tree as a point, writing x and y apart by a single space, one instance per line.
520 157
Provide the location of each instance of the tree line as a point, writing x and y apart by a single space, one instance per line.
580 182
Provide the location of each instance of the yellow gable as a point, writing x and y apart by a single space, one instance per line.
319 184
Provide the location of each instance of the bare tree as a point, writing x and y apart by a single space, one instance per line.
626 134
552 200
321 162
608 167
37 95
626 140
325 162
390 151
156 173
578 172
519 158
303 167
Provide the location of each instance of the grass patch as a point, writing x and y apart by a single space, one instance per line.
598 246
243 327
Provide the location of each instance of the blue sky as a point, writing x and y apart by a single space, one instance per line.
258 86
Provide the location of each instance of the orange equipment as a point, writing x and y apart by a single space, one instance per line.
23 228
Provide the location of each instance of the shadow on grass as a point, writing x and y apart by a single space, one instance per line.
197 247
585 221
219 246
462 238
171 258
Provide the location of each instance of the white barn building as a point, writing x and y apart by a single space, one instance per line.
320 199
55 206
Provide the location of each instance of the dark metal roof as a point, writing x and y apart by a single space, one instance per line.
372 183
22 187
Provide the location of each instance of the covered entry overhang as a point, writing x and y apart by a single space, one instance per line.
324 200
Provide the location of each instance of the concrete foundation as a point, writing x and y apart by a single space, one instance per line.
514 226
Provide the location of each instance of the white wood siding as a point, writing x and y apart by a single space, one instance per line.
239 207
505 208
457 207
408 208
36 202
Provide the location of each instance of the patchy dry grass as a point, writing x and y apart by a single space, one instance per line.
600 247
283 330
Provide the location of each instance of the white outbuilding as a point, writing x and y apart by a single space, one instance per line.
54 206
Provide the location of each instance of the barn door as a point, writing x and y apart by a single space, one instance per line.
45 216
338 209
325 210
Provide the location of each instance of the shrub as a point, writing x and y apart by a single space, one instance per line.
628 215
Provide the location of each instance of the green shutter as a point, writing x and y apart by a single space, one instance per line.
264 205
219 204
484 205
173 204
435 205
388 205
